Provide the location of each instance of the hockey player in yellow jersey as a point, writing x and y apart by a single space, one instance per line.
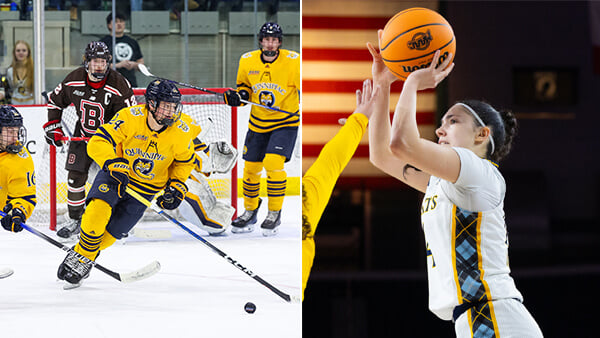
147 148
269 76
320 178
17 178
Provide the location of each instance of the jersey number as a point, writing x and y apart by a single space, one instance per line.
92 115
30 179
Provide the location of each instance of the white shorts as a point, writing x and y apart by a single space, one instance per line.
506 318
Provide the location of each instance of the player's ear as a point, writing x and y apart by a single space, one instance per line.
483 134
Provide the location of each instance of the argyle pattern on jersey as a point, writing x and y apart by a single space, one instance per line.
482 325
467 263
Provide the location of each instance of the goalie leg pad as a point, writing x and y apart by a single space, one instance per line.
202 208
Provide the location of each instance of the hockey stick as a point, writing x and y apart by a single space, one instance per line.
129 277
74 139
161 212
146 72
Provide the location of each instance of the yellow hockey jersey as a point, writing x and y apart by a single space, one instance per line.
319 180
274 84
17 181
154 157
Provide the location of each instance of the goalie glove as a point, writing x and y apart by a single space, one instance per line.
221 158
173 195
54 133
13 219
118 169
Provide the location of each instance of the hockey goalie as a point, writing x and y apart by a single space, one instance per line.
200 206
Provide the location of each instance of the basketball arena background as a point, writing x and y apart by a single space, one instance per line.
535 58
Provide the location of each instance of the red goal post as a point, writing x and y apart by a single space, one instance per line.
52 180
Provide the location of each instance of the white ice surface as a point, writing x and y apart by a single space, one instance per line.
197 293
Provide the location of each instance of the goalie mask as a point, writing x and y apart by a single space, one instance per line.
97 50
270 29
161 90
13 134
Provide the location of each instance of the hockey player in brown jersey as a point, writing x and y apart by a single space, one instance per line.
97 92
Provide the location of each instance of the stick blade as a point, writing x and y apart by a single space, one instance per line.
6 272
143 273
144 70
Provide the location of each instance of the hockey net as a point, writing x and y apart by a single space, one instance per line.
218 121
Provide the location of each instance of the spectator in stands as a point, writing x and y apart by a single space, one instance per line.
127 52
57 5
18 83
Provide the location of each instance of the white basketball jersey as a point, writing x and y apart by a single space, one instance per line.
465 234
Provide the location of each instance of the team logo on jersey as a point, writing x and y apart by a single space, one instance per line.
268 86
254 72
143 168
103 187
141 137
78 93
266 98
183 126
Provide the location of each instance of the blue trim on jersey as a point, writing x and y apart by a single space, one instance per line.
29 198
279 125
188 160
101 132
145 188
296 119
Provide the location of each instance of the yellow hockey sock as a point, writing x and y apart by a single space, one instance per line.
276 180
93 226
251 184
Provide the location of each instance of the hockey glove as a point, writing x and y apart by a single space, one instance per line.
54 133
118 169
232 98
173 195
13 219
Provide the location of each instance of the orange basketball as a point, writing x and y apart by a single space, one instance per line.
411 37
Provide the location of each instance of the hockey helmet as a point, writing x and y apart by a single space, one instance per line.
270 29
11 118
97 50
161 90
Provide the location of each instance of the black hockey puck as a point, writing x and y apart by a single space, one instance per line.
250 307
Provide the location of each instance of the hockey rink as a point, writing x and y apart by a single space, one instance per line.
197 293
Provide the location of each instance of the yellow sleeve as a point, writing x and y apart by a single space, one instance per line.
319 180
21 185
183 163
101 146
242 81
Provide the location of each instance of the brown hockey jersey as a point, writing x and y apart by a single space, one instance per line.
95 103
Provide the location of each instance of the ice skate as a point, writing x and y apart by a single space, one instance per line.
69 230
271 223
245 223
72 270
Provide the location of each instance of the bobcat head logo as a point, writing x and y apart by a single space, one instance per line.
266 98
143 167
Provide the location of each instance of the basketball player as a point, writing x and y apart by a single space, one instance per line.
17 178
269 76
320 178
462 210
98 92
145 147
